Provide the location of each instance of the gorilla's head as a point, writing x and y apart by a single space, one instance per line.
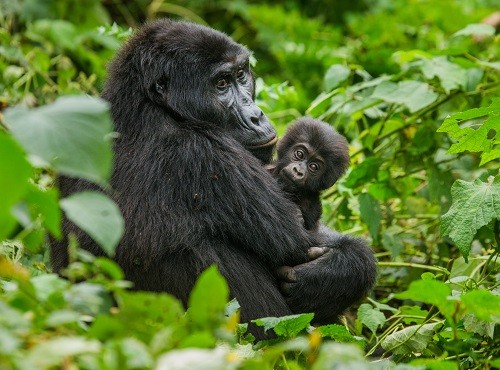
196 76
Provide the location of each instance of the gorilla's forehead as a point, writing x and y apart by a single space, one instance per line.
195 41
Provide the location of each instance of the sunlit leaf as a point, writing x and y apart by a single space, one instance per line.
413 339
98 216
414 95
51 352
72 135
475 204
432 292
484 304
286 326
207 302
451 75
476 29
15 172
335 75
480 136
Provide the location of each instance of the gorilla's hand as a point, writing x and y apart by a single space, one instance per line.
287 274
338 276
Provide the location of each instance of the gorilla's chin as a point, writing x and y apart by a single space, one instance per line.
264 152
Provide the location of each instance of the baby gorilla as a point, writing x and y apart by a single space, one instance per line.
311 157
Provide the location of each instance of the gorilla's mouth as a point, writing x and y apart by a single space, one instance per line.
269 143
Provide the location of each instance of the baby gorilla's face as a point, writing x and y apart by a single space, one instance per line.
301 168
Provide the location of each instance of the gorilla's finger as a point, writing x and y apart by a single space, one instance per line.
287 288
286 273
315 252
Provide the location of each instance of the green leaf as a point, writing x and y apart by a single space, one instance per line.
293 325
413 339
208 299
370 317
370 213
337 332
88 298
15 172
476 29
341 356
98 216
72 135
52 352
46 203
144 314
286 326
432 292
335 75
413 314
48 284
473 325
364 172
480 139
451 75
134 353
414 95
483 304
475 204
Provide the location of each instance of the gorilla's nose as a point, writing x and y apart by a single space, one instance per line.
297 172
256 116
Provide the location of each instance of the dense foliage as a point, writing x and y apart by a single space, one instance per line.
414 86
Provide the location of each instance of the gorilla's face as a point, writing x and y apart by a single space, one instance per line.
235 94
201 75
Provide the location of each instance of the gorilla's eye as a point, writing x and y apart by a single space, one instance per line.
313 166
299 154
241 74
222 83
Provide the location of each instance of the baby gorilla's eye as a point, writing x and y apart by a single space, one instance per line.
222 84
299 154
313 166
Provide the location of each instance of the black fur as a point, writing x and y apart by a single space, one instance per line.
191 193
321 145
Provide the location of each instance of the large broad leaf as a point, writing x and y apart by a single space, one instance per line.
208 299
472 139
52 352
475 204
476 29
371 317
483 304
98 216
14 174
430 291
413 339
451 75
335 75
72 135
414 95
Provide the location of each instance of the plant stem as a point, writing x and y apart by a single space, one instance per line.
414 265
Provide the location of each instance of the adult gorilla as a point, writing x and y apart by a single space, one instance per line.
192 191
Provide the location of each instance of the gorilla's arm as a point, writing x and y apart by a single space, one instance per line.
343 274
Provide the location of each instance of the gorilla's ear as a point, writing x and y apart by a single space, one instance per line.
158 91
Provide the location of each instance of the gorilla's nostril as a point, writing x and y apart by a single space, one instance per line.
255 120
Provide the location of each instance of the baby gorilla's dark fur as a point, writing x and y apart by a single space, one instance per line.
311 157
